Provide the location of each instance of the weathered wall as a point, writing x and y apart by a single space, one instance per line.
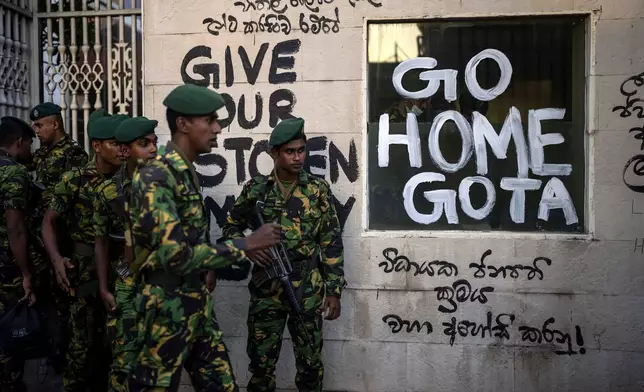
592 289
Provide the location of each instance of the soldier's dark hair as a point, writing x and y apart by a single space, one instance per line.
11 131
171 116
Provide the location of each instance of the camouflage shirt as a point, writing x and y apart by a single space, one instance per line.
168 217
109 206
309 222
73 198
50 162
15 190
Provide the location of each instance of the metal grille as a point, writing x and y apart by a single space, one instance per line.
16 20
91 55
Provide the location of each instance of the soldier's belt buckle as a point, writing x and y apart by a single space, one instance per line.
123 270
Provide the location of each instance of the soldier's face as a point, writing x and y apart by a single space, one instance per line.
202 132
109 151
45 129
291 156
144 148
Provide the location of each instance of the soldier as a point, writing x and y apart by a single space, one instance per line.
138 141
16 268
73 199
57 154
303 205
169 230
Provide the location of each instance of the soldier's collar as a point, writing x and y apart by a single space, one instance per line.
5 154
303 178
59 141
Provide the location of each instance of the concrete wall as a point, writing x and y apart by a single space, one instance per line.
595 282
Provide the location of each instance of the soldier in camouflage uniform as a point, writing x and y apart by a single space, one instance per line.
16 267
177 324
303 205
73 200
57 154
138 141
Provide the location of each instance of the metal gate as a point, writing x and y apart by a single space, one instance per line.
91 58
16 41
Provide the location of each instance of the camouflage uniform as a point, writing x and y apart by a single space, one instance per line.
15 185
110 218
73 199
310 225
49 163
177 324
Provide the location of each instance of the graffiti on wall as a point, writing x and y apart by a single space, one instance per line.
475 137
201 68
324 157
464 289
240 157
281 17
633 106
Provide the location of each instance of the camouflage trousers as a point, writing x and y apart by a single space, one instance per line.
121 329
88 353
177 329
268 313
11 368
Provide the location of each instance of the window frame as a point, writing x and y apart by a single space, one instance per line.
590 116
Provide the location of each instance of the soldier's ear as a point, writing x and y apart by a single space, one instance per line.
56 123
96 145
182 124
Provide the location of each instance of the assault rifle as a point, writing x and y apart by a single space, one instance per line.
282 269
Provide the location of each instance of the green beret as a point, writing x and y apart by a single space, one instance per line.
96 115
135 128
193 100
9 122
104 128
286 131
44 110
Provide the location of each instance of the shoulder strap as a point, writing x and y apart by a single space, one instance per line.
5 161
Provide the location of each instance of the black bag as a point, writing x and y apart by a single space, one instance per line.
23 333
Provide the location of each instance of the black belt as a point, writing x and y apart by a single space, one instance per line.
172 282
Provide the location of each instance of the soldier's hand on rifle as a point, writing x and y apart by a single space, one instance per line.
29 293
108 301
331 307
265 237
261 257
61 265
